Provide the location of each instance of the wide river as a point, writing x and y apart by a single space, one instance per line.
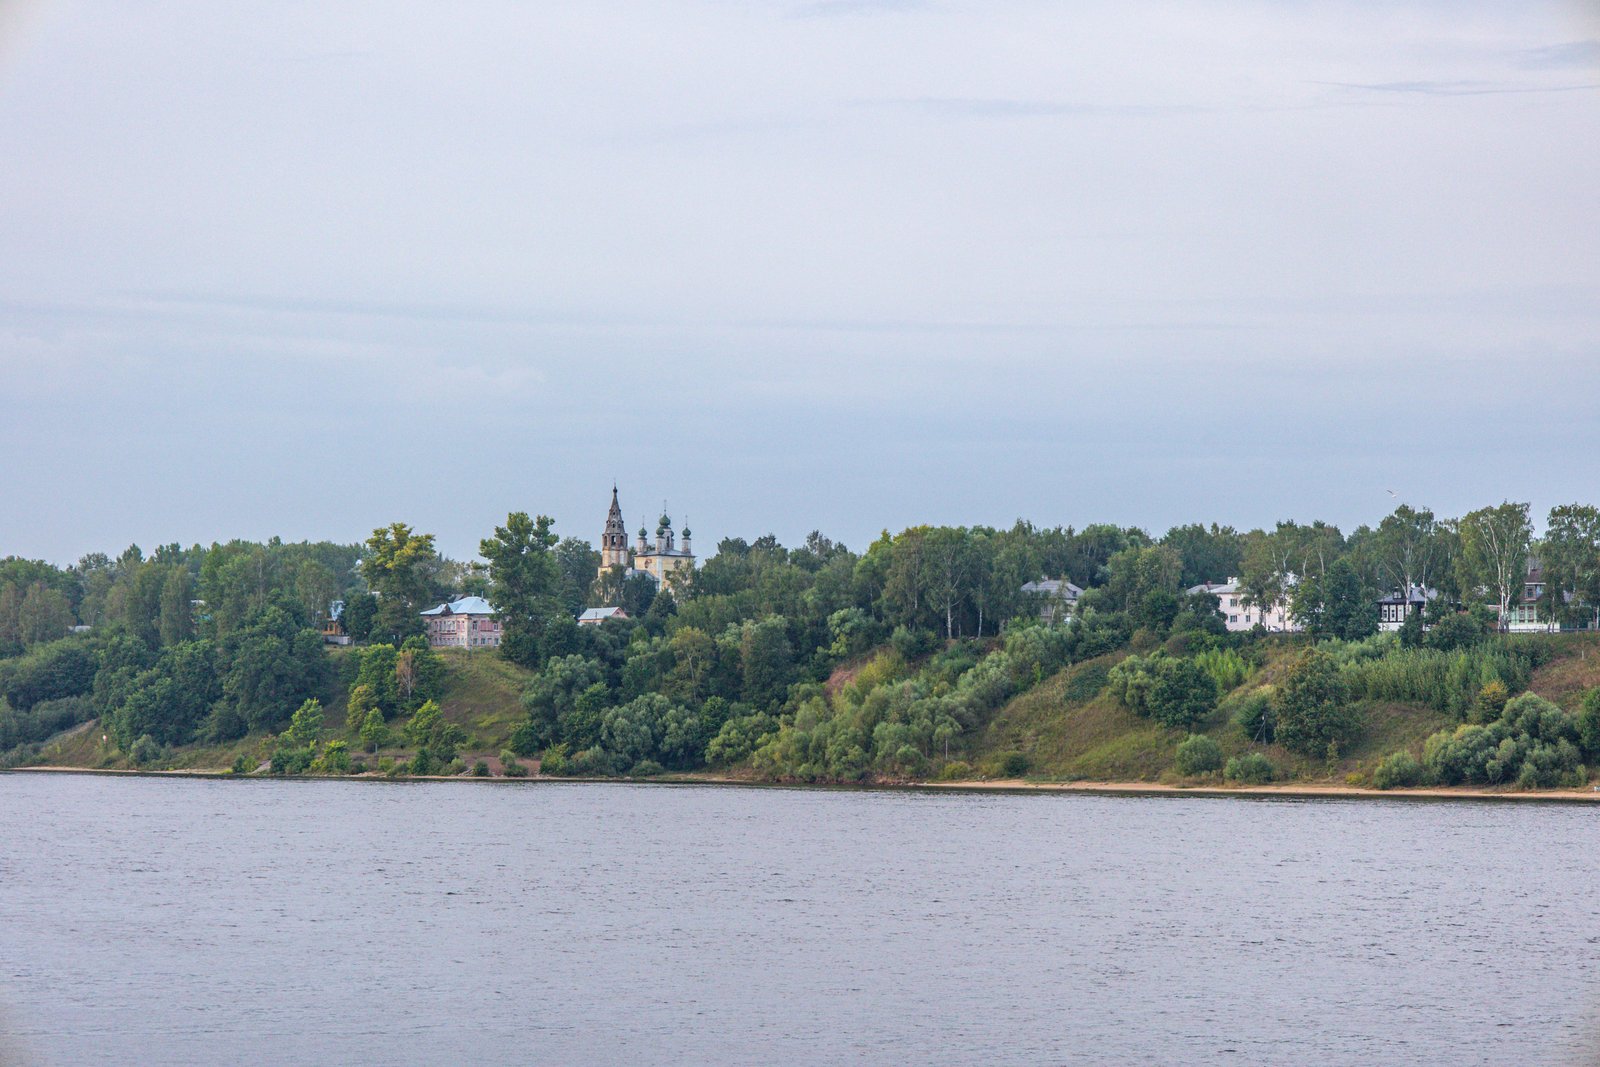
166 921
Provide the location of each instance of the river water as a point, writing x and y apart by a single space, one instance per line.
172 921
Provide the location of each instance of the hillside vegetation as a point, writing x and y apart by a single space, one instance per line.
935 654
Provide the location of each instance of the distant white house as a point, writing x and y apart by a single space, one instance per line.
596 616
465 622
1240 617
1057 598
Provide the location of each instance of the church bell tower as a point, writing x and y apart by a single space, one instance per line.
614 542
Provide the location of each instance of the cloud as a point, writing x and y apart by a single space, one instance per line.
1001 108
1459 88
1571 55
847 8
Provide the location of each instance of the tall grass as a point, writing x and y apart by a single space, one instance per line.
1444 681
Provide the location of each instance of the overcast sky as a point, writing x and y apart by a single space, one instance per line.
307 268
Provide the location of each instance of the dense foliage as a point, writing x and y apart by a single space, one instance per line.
812 662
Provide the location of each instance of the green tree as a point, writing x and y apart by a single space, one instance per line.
358 705
176 622
1570 554
526 583
1211 554
305 726
359 611
1335 604
378 676
374 732
1410 549
1494 552
767 661
400 565
44 615
435 738
1313 709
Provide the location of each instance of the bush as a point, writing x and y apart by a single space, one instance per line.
645 768
144 751
1198 754
1250 769
1174 692
47 717
292 759
243 764
1398 770
913 644
591 763
1254 716
1533 744
1225 667
480 769
1014 765
1589 725
955 771
1314 712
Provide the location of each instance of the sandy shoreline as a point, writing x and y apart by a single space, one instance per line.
1287 790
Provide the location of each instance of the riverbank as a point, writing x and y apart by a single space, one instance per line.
1287 790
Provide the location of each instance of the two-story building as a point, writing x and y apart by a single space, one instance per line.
1239 616
466 622
1394 609
1057 598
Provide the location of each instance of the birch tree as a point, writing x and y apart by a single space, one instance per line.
1494 552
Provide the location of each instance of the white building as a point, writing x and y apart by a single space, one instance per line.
596 616
466 622
1057 597
1240 617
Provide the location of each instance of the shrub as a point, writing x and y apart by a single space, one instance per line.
913 644
1250 769
1313 707
1589 725
1398 770
1491 700
525 739
955 771
1198 754
243 764
292 759
1174 692
480 769
591 762
1225 667
335 759
1254 716
645 768
1533 744
144 751
1014 764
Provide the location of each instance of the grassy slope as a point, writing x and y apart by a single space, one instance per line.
483 695
1072 731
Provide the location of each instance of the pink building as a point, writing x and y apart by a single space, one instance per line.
466 622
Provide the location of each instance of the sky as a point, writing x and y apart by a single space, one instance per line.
304 269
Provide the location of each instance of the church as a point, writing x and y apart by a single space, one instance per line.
659 559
